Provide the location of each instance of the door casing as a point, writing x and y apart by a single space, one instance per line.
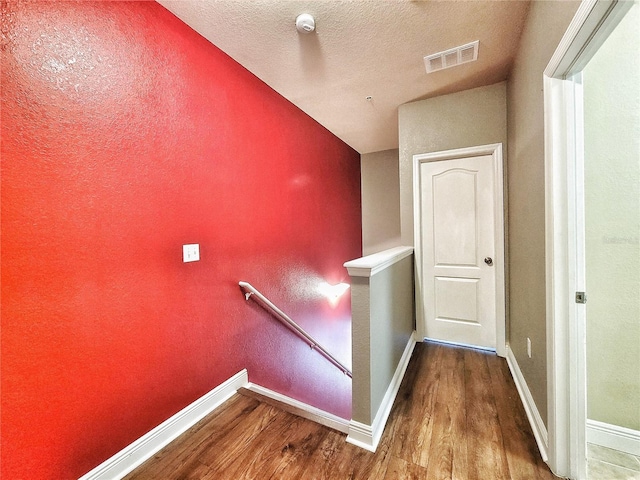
495 150
566 330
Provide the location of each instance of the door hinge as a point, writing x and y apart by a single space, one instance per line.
581 297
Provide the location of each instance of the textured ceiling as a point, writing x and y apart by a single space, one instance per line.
360 48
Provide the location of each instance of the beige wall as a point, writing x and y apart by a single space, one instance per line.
382 309
612 215
361 410
481 116
391 324
545 26
465 119
380 201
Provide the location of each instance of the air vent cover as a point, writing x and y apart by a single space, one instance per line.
452 57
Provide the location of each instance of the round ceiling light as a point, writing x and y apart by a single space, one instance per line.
305 23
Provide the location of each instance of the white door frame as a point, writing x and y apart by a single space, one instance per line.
564 227
495 150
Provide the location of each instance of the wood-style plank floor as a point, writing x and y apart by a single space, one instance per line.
457 416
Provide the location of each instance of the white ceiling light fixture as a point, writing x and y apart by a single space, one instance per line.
452 57
305 23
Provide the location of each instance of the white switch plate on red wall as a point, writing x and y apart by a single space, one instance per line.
191 252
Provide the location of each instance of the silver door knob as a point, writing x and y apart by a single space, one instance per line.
488 261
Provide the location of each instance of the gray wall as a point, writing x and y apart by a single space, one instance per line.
380 201
465 119
545 26
612 211
382 325
361 348
480 116
392 298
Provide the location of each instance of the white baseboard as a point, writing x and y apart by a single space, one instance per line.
368 436
304 410
530 407
612 436
132 456
362 436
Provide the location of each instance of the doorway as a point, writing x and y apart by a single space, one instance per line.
611 179
459 247
593 213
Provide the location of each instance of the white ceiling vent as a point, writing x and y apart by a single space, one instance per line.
452 57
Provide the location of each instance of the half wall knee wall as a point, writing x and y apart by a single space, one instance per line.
383 337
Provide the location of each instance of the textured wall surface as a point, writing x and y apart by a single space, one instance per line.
612 217
383 323
361 307
125 135
392 323
360 48
545 27
465 119
380 201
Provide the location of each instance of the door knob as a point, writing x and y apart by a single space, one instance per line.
488 261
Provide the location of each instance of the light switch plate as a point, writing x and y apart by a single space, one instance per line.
191 252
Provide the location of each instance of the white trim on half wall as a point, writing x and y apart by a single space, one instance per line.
368 436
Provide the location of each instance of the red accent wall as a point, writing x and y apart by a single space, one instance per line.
124 136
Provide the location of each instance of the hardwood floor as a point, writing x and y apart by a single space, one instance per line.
457 416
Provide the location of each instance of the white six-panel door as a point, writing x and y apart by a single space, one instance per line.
459 247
